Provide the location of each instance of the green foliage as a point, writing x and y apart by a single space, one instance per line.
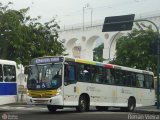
98 53
134 50
23 38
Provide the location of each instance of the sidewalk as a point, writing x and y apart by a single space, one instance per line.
148 110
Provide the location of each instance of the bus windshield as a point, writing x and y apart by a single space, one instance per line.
45 76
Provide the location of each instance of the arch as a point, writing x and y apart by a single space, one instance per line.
112 44
90 45
70 45
71 42
91 42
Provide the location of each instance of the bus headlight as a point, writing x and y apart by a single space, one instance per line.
28 94
58 91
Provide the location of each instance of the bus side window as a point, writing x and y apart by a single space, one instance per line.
80 72
151 79
98 75
110 76
87 73
84 73
119 77
1 74
93 73
123 78
70 74
9 73
133 77
101 79
128 80
140 80
149 82
106 76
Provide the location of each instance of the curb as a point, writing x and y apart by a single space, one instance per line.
147 112
18 103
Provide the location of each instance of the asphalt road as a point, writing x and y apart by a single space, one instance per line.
25 112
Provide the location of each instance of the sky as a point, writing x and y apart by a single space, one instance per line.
70 12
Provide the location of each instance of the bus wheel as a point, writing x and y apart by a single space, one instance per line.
51 108
101 108
82 107
131 105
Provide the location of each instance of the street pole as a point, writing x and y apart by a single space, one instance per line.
91 15
158 58
87 6
83 18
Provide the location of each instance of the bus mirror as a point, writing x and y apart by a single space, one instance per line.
26 69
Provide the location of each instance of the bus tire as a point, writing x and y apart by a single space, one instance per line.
131 105
51 108
102 108
83 105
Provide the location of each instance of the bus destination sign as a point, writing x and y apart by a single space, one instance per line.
47 60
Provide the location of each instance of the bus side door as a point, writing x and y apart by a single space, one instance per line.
70 85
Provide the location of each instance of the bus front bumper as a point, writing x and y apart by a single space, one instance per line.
56 100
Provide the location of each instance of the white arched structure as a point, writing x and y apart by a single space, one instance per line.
86 40
80 42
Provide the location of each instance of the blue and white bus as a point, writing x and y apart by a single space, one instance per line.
8 84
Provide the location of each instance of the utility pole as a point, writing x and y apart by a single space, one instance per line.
87 6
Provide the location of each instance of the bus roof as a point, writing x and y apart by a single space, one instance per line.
10 62
78 60
108 65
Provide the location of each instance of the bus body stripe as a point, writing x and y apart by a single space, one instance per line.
85 61
8 88
108 66
99 64
70 59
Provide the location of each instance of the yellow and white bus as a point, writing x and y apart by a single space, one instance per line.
59 82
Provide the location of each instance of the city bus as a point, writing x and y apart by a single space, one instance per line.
59 82
8 84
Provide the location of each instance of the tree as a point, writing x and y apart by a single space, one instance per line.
134 50
23 38
98 53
